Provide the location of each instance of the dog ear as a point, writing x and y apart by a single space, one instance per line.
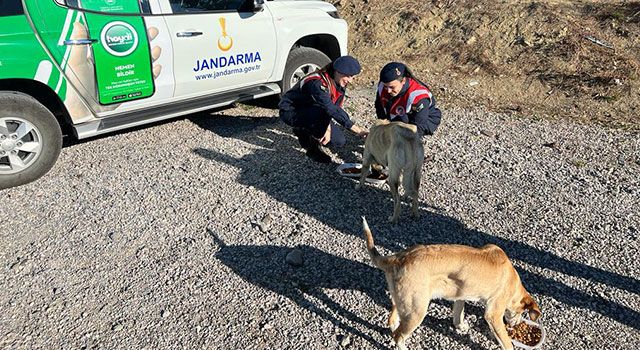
531 306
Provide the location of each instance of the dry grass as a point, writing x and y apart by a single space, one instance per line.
529 57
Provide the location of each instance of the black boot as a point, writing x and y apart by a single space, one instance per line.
303 137
316 153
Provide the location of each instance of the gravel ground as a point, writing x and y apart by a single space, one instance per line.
179 235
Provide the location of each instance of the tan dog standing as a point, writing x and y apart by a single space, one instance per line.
452 272
395 145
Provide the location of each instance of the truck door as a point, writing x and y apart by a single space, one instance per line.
104 49
219 45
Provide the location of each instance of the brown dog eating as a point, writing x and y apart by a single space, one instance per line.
452 272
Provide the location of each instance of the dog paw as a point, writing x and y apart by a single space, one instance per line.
463 326
400 346
358 186
393 219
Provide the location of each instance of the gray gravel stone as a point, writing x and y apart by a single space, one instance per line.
200 213
295 258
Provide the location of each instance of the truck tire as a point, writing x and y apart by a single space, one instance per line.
30 139
301 61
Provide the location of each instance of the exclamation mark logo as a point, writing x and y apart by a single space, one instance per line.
224 42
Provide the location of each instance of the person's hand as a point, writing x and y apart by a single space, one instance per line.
80 73
152 32
359 131
326 138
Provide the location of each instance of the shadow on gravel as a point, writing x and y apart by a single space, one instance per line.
265 266
284 173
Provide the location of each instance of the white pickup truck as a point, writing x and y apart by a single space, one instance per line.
89 67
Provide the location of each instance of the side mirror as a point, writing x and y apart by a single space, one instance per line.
258 5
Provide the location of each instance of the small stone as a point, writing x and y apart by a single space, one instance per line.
117 327
294 258
473 83
164 313
267 219
488 133
345 341
294 233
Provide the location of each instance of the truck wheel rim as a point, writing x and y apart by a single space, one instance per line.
302 71
20 145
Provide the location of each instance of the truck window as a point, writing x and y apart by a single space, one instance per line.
182 6
10 8
145 7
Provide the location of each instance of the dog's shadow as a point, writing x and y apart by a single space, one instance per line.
280 170
265 266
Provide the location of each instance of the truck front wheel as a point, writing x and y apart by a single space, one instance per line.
30 139
302 61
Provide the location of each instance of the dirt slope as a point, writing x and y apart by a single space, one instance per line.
569 59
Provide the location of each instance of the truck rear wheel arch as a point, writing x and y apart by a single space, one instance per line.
43 94
325 43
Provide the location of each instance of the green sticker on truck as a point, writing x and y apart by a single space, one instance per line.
122 56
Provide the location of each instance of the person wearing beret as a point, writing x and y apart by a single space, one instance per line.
313 107
402 97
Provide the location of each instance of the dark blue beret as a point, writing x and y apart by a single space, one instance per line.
392 71
346 65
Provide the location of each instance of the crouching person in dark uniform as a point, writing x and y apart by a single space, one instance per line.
402 97
313 107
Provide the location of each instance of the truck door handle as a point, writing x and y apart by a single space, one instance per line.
188 34
80 41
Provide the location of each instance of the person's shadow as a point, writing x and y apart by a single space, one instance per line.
279 169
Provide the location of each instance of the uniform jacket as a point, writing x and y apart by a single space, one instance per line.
414 105
317 89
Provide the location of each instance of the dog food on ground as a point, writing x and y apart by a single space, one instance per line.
377 176
351 171
525 333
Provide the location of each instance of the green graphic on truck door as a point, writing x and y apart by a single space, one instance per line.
121 53
104 54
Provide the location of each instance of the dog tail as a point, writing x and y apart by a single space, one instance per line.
379 261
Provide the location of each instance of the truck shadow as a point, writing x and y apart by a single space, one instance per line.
316 190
